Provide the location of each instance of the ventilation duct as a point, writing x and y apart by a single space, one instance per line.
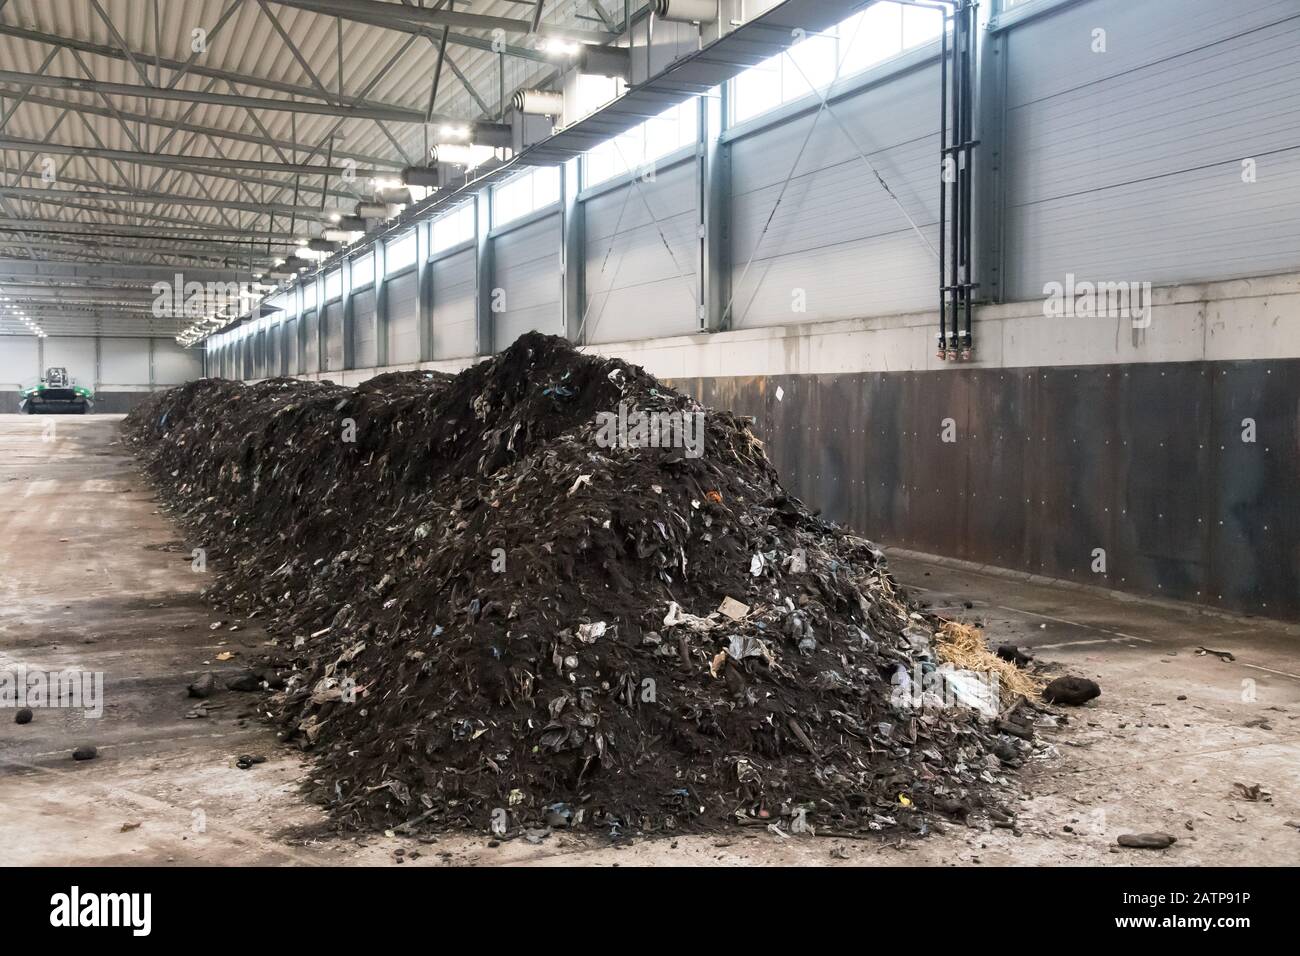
397 196
613 61
338 235
686 11
477 134
460 154
376 210
539 102
291 267
426 176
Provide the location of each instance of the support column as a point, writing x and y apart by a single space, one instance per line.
424 289
712 209
573 258
349 319
319 279
300 330
484 273
379 261
428 308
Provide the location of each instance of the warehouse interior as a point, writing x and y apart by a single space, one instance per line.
1010 288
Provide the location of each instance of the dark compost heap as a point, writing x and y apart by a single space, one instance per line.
478 606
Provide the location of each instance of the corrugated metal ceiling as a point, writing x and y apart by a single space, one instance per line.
269 48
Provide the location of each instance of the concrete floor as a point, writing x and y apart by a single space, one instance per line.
94 577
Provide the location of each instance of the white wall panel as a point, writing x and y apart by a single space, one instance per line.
273 335
403 320
332 329
365 344
527 270
311 350
123 361
839 245
19 361
75 353
454 320
173 364
1127 165
293 353
638 287
262 354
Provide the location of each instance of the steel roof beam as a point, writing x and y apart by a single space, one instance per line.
388 113
186 228
238 135
97 245
195 164
265 83
56 196
460 39
405 18
26 269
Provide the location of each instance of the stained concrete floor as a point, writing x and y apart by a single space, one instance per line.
94 577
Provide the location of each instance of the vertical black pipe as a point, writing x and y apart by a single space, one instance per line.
943 188
956 249
967 139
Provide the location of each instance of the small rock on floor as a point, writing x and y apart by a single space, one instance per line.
1071 691
1147 841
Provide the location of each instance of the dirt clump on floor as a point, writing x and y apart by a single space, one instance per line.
551 591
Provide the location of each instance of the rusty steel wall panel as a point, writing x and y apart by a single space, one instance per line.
1051 467
1255 558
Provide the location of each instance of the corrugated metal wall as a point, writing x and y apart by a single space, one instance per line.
261 354
332 329
75 353
19 361
123 362
173 365
365 342
1122 164
454 317
403 319
838 246
1127 164
527 271
128 366
274 355
293 350
636 287
311 351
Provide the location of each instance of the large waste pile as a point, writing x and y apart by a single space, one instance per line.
500 601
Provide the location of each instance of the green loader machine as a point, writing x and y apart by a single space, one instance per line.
56 393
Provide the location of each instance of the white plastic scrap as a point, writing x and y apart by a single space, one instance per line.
676 616
972 690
